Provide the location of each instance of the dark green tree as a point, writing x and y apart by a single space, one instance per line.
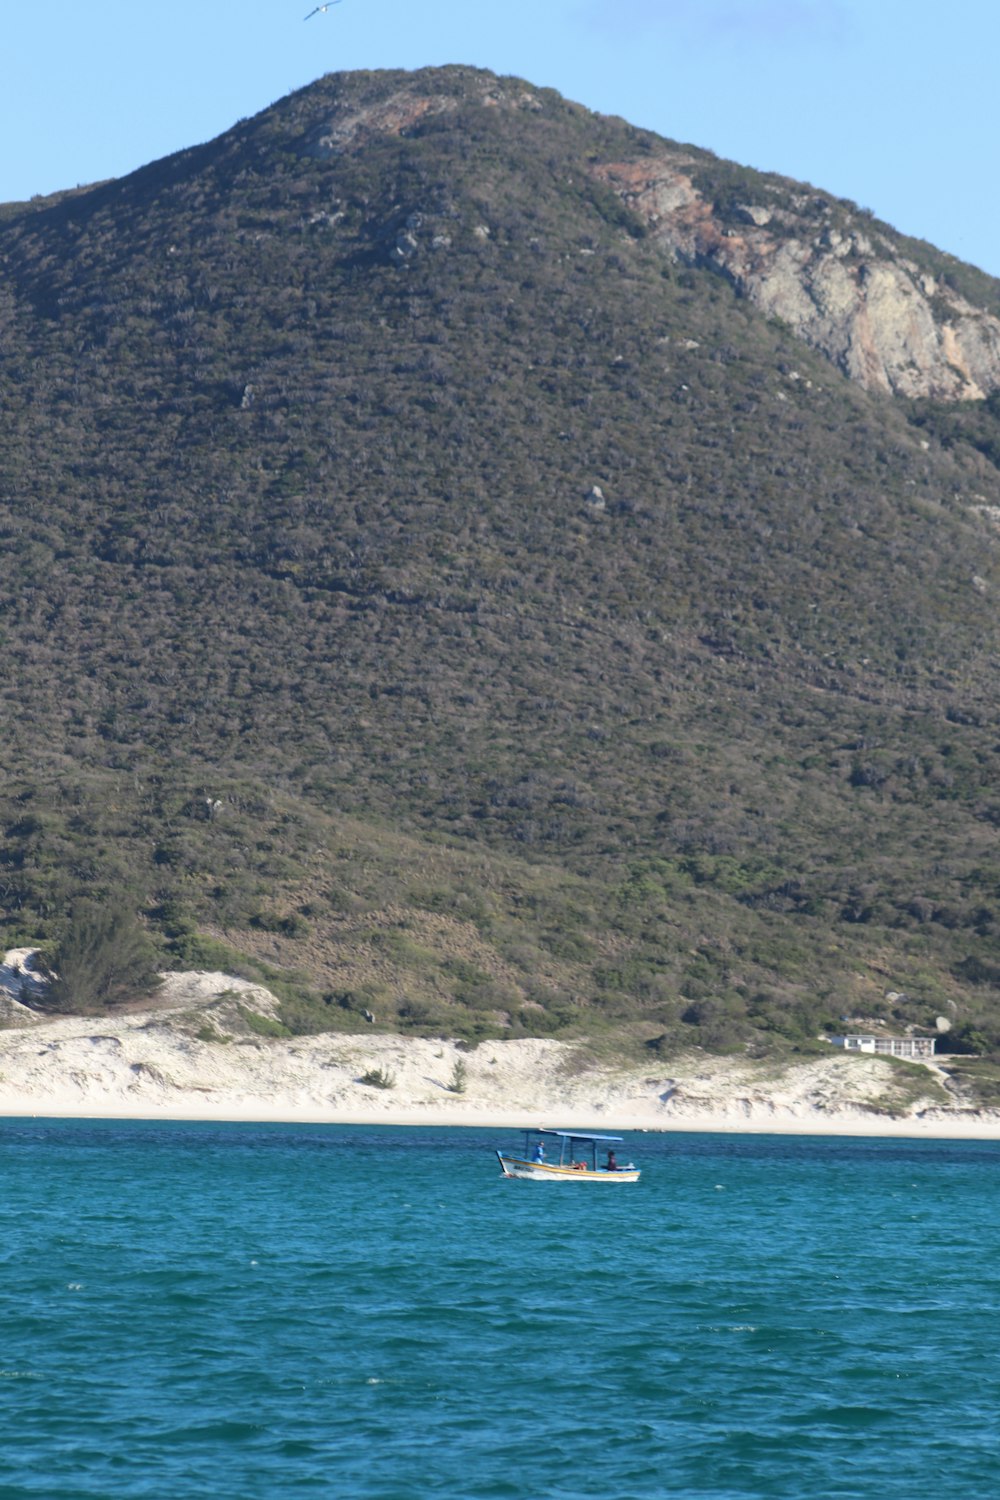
104 958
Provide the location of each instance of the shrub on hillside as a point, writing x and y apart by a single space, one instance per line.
103 958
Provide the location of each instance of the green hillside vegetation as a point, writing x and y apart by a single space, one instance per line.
322 654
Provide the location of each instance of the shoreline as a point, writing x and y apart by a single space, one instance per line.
933 1125
872 1127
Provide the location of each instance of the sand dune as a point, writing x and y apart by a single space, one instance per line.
197 1052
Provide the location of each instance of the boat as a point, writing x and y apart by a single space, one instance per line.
577 1159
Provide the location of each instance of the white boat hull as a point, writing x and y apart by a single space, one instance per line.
535 1171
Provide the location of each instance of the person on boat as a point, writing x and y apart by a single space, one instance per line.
539 1154
579 1166
612 1165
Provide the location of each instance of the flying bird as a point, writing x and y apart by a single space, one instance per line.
320 10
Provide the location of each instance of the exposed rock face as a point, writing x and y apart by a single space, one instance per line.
843 289
404 108
389 116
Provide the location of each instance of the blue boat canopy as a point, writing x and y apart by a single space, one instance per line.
575 1135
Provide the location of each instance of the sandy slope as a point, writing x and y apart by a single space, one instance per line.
193 1054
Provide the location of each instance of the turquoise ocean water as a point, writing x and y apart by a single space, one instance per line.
244 1311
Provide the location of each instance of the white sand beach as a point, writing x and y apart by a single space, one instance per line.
196 1052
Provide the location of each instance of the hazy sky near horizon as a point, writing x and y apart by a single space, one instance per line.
887 102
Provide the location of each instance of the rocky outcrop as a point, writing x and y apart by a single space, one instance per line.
841 286
392 116
404 108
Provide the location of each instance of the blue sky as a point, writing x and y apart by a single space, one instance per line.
888 102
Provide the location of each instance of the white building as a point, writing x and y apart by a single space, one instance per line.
888 1046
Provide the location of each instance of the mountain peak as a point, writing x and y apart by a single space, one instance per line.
356 107
893 315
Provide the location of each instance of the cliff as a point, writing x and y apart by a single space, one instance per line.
840 282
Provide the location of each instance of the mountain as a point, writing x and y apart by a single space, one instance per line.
517 572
